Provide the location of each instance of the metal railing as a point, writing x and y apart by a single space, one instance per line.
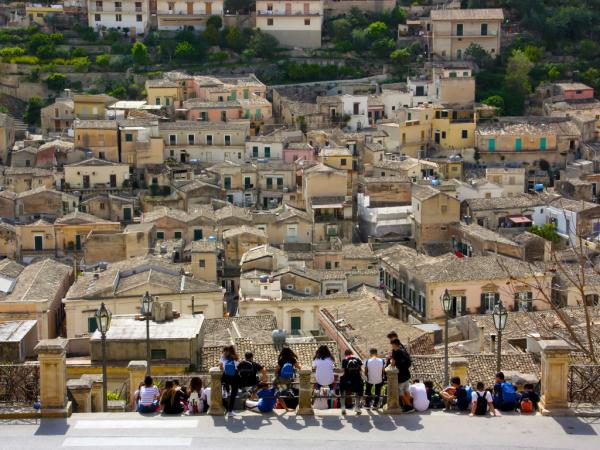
584 383
19 384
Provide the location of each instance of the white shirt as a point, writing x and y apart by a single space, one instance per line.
488 396
324 371
419 395
374 370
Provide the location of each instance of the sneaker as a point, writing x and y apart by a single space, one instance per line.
231 414
358 411
344 411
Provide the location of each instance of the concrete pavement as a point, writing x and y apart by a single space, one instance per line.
289 431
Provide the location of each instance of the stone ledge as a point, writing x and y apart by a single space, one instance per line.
52 346
30 413
572 412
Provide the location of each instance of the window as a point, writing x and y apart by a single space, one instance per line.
201 263
118 18
267 152
255 151
138 17
459 29
306 22
543 143
191 139
158 354
102 205
198 234
484 29
128 137
343 161
279 183
97 17
518 144
464 134
92 325
172 139
247 182
227 139
209 139
177 235
101 155
443 135
491 145
269 182
308 290
227 182
160 235
523 301
488 301
328 264
269 22
591 300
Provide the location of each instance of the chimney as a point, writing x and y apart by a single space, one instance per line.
481 340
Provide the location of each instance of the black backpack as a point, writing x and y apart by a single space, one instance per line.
353 367
406 360
247 374
481 405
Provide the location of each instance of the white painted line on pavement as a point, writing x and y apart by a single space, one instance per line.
127 442
151 424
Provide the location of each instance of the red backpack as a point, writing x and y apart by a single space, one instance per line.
526 406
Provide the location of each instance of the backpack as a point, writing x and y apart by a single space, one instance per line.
406 359
509 395
353 367
527 406
247 374
287 371
481 406
229 368
463 397
290 398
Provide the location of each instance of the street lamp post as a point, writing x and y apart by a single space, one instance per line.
500 315
147 302
447 306
103 317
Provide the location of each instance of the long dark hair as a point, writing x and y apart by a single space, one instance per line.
195 384
323 352
169 393
287 354
230 353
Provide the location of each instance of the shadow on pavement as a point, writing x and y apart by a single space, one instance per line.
52 427
363 423
575 426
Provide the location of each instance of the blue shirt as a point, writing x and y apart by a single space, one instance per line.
266 404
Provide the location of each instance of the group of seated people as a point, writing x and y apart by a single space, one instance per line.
504 396
174 399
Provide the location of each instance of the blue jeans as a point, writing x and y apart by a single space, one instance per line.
147 408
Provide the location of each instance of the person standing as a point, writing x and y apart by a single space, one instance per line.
400 359
374 372
351 381
231 381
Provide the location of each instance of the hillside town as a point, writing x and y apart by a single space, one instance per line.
300 183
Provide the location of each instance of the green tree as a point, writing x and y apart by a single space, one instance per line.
33 111
400 56
478 55
383 47
547 231
517 73
56 82
140 54
497 101
215 21
118 92
264 45
184 51
377 30
234 39
166 49
211 34
554 72
533 53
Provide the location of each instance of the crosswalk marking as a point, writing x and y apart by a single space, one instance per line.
150 424
118 442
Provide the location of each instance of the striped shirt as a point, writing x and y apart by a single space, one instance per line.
148 394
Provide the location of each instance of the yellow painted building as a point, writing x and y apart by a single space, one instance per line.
96 173
101 137
92 107
38 13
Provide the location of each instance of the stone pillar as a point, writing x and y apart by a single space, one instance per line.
97 392
393 397
216 393
81 390
459 368
555 375
305 400
137 372
53 377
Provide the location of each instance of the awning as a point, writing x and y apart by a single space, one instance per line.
327 206
519 219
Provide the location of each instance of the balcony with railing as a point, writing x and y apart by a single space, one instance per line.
108 8
286 13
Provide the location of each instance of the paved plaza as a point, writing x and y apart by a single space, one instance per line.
289 431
